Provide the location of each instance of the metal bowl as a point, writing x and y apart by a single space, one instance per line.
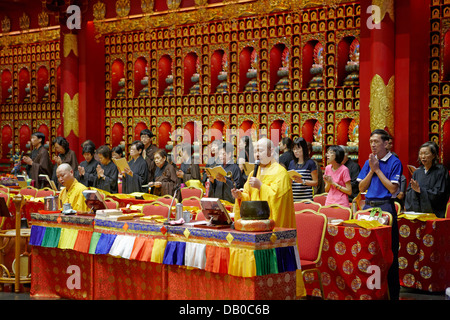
255 210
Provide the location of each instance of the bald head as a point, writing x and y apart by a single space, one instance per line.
64 173
264 151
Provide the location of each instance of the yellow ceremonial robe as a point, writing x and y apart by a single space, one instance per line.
276 189
74 196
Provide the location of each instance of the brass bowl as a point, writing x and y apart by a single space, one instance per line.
255 210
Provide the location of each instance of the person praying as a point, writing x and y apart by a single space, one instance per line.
106 172
87 169
39 162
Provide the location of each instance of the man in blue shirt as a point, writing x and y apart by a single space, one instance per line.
380 177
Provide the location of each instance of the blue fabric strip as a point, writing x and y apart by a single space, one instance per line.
36 235
104 243
286 259
174 253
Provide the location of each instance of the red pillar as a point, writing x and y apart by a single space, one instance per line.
399 48
69 88
377 69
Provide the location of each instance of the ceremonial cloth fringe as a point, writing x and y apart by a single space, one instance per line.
239 262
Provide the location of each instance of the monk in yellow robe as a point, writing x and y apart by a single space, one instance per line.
73 190
272 183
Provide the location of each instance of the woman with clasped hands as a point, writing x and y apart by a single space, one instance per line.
429 188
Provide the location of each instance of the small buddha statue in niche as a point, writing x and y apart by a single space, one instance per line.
168 91
121 92
223 76
283 72
352 67
252 73
317 67
46 89
28 92
9 98
144 82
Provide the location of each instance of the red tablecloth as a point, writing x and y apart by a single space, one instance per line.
424 255
347 254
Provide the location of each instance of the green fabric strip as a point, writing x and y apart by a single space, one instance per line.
94 241
51 237
266 262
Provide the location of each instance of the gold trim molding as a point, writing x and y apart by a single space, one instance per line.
381 104
70 114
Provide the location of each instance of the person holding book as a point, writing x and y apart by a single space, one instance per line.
73 190
270 183
302 187
63 155
166 179
39 162
337 178
221 185
429 188
135 175
106 175
87 169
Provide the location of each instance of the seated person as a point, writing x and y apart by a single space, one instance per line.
73 190
87 170
106 175
221 186
271 183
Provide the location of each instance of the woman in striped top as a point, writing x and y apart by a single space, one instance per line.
302 188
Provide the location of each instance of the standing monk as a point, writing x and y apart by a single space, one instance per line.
272 183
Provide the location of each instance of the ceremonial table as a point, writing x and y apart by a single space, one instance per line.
353 260
79 257
424 255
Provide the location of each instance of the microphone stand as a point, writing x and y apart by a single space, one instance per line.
170 207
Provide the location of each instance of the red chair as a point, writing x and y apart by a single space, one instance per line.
311 227
46 192
28 191
367 212
398 208
320 198
167 199
447 214
191 192
111 204
336 211
4 189
200 216
156 208
306 204
192 202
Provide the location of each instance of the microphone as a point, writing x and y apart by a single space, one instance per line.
255 171
171 204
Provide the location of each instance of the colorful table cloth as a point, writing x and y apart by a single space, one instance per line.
226 252
424 254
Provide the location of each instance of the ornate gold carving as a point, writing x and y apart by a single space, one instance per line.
24 22
173 4
386 6
147 6
43 19
6 25
70 44
381 104
99 11
70 114
122 8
